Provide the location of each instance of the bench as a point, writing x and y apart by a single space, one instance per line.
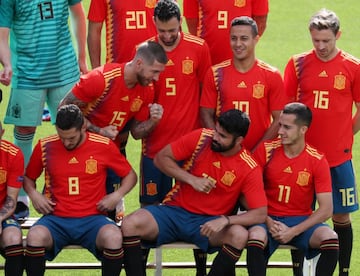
158 265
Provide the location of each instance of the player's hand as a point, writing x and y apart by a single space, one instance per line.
213 226
203 184
109 131
5 75
156 111
108 202
283 234
83 67
42 204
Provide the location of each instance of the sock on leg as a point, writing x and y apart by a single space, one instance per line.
328 258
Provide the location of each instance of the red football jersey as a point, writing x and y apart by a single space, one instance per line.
110 102
329 89
215 18
291 183
127 24
11 168
178 91
75 179
258 92
233 175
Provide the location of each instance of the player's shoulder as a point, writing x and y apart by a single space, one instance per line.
302 55
247 159
98 139
193 39
9 148
313 152
266 66
49 139
349 57
223 64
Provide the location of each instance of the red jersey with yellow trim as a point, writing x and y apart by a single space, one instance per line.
258 92
329 89
75 179
291 183
127 24
215 21
11 168
233 175
110 102
178 91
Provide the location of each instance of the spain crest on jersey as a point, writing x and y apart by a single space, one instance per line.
187 66
136 105
339 82
258 91
303 178
91 166
2 176
228 178
151 189
240 3
150 4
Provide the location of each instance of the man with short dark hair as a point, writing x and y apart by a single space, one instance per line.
74 200
217 170
293 173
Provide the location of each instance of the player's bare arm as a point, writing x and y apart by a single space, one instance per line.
141 130
94 43
6 72
207 116
41 204
356 119
166 162
109 201
79 19
10 203
260 22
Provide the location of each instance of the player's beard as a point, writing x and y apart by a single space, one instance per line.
142 80
74 146
217 147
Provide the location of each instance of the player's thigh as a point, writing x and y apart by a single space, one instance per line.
25 107
320 234
54 97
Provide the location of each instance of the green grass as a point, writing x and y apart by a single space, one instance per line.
286 34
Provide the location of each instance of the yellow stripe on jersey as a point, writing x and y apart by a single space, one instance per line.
116 72
194 39
205 134
350 58
98 138
270 146
49 139
313 152
266 66
248 159
7 147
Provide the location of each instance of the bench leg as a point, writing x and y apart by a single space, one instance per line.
158 261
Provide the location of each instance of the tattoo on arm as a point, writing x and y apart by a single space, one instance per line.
71 99
9 206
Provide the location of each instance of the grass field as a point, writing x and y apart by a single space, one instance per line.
286 34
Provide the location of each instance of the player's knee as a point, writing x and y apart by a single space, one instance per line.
237 236
257 233
11 236
109 236
38 235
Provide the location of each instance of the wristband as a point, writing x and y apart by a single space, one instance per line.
228 220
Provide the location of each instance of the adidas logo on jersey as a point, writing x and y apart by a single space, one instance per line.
241 85
217 164
287 170
323 74
73 161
